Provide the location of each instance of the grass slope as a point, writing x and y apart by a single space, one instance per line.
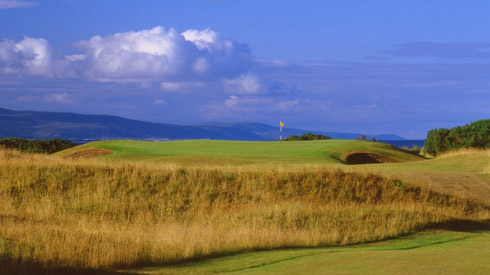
466 174
269 195
215 152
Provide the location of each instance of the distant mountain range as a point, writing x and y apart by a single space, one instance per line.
48 125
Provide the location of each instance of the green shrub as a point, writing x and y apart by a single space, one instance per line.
474 135
308 136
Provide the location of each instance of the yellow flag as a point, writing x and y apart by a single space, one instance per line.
281 123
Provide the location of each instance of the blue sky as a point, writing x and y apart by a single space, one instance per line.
400 67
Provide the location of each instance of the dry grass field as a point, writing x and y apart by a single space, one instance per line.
90 214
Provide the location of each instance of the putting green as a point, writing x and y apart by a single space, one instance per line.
243 152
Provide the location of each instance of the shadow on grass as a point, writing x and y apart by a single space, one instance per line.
460 226
10 266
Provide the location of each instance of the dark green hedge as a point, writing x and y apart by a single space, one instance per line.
37 146
308 136
474 135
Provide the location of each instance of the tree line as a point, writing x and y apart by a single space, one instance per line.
37 146
474 135
307 136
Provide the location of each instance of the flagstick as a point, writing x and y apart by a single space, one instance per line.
280 133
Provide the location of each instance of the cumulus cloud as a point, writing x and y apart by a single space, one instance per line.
161 54
157 55
15 4
29 56
198 61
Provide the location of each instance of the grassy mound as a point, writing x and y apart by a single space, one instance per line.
90 214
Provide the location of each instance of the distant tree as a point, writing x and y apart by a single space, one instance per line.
307 136
373 139
474 135
37 146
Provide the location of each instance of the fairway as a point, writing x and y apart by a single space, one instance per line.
429 252
215 152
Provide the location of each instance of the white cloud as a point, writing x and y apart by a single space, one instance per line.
286 105
27 98
29 56
244 84
274 63
15 4
170 86
158 57
204 39
240 103
162 55
61 98
237 105
201 65
231 101
159 101
178 86
76 57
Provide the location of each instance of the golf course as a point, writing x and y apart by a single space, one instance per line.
207 206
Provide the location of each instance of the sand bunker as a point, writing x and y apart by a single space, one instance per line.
89 153
365 158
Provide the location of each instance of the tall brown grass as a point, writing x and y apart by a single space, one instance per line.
86 214
465 151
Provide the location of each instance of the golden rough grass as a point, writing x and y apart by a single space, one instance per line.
87 214
464 151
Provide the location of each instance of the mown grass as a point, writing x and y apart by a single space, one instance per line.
239 153
102 215
427 252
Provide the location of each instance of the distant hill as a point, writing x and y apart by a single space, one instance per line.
47 125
